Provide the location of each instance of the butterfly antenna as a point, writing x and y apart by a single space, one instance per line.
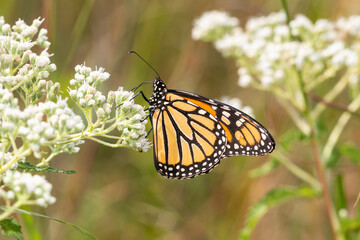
145 62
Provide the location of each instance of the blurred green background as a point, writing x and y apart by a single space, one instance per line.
117 193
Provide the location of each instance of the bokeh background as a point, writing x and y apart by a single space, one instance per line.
117 193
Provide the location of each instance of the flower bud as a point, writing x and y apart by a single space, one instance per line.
100 113
37 22
6 29
42 61
111 97
51 68
6 60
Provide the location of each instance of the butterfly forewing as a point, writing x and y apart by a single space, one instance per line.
188 141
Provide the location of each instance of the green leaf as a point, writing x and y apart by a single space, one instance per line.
272 199
340 193
288 138
348 224
265 169
21 211
11 228
29 167
29 225
350 151
333 159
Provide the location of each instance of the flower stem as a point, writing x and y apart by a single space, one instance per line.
298 120
46 161
339 127
331 95
113 145
10 210
15 159
297 171
334 221
328 73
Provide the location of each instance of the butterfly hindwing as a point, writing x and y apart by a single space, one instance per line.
188 140
244 135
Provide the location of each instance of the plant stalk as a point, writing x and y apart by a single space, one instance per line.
334 221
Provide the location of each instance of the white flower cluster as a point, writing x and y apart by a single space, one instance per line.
61 117
129 115
237 103
266 52
132 120
27 187
84 90
19 66
213 25
7 99
37 124
7 157
42 124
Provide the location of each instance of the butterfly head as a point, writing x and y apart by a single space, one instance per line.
157 99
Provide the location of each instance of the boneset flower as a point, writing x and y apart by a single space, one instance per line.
265 40
212 25
43 125
31 187
128 115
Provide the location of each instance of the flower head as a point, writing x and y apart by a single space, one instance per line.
266 53
31 187
213 25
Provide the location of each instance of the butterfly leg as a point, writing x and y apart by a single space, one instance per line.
148 133
143 95
148 116
135 88
145 118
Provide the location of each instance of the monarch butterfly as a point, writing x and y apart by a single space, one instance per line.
192 133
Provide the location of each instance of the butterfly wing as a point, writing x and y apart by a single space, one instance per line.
244 135
188 140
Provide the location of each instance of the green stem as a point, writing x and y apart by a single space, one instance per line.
339 127
13 143
88 117
286 9
88 134
10 210
330 210
334 221
357 200
331 95
295 116
110 136
113 145
16 157
23 81
328 73
46 161
297 171
30 225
